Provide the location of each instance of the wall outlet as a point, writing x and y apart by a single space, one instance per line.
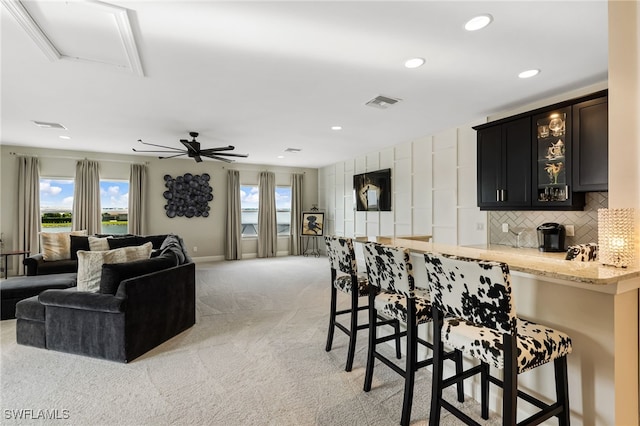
195 249
505 227
570 230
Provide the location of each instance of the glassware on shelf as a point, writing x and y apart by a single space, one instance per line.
517 232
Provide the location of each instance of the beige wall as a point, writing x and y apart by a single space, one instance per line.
207 234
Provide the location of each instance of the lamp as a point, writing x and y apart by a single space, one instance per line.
616 235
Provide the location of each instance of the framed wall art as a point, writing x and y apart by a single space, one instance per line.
312 224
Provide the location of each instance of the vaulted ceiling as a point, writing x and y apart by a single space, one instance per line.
267 76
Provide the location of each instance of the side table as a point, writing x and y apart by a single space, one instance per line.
6 255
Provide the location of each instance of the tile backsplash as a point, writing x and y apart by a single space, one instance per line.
585 222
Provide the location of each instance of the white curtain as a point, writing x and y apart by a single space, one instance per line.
295 244
267 222
87 212
233 230
28 207
137 199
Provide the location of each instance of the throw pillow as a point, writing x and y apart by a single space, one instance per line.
90 263
57 245
78 242
98 244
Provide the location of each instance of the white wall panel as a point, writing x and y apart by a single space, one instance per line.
372 229
402 151
403 230
444 168
444 235
386 226
467 192
445 140
444 208
360 165
402 207
468 221
386 158
421 222
373 161
360 223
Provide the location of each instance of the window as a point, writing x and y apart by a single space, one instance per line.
56 205
249 200
114 201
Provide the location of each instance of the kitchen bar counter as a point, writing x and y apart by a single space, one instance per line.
527 260
596 305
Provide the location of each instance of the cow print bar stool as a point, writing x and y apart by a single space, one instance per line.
474 311
390 269
342 259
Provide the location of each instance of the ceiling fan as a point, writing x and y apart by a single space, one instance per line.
193 150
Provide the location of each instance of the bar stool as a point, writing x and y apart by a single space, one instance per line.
474 311
342 258
390 270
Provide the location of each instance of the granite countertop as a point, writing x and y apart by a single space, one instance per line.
526 260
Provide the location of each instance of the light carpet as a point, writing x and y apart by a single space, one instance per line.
255 357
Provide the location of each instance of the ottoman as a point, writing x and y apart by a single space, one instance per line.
30 323
16 289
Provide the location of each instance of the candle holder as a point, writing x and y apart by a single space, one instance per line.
616 237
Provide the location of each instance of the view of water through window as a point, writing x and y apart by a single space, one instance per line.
56 205
249 206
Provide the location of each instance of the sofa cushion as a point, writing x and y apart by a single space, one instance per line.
120 242
90 263
57 245
114 273
78 242
99 244
156 240
172 244
30 309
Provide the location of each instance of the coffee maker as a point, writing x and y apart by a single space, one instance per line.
551 237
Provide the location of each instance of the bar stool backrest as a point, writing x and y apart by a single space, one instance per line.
341 254
389 268
475 290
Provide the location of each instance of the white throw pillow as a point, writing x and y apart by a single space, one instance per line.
90 263
98 244
57 245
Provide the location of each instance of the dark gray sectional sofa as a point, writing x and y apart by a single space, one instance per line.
140 305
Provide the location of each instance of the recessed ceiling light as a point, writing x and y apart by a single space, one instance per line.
336 127
64 137
478 22
414 63
280 156
529 73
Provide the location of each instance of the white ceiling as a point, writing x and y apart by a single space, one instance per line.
266 76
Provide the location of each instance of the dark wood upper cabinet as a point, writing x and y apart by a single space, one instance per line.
544 159
504 165
591 152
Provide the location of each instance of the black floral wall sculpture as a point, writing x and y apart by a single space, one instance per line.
188 195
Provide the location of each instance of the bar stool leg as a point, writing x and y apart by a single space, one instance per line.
562 389
460 385
396 330
353 334
332 317
484 389
436 379
373 318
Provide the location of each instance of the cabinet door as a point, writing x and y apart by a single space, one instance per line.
552 162
591 145
489 166
517 163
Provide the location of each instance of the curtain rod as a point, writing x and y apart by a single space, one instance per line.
252 170
63 157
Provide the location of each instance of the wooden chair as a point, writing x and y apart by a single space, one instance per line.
474 312
391 271
342 259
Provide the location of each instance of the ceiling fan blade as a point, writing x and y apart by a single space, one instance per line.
172 156
229 154
221 148
171 152
215 157
160 146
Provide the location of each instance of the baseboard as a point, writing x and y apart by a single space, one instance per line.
203 259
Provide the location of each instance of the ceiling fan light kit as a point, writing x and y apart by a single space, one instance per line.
193 150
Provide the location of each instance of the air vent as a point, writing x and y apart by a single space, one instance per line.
46 125
294 150
382 102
